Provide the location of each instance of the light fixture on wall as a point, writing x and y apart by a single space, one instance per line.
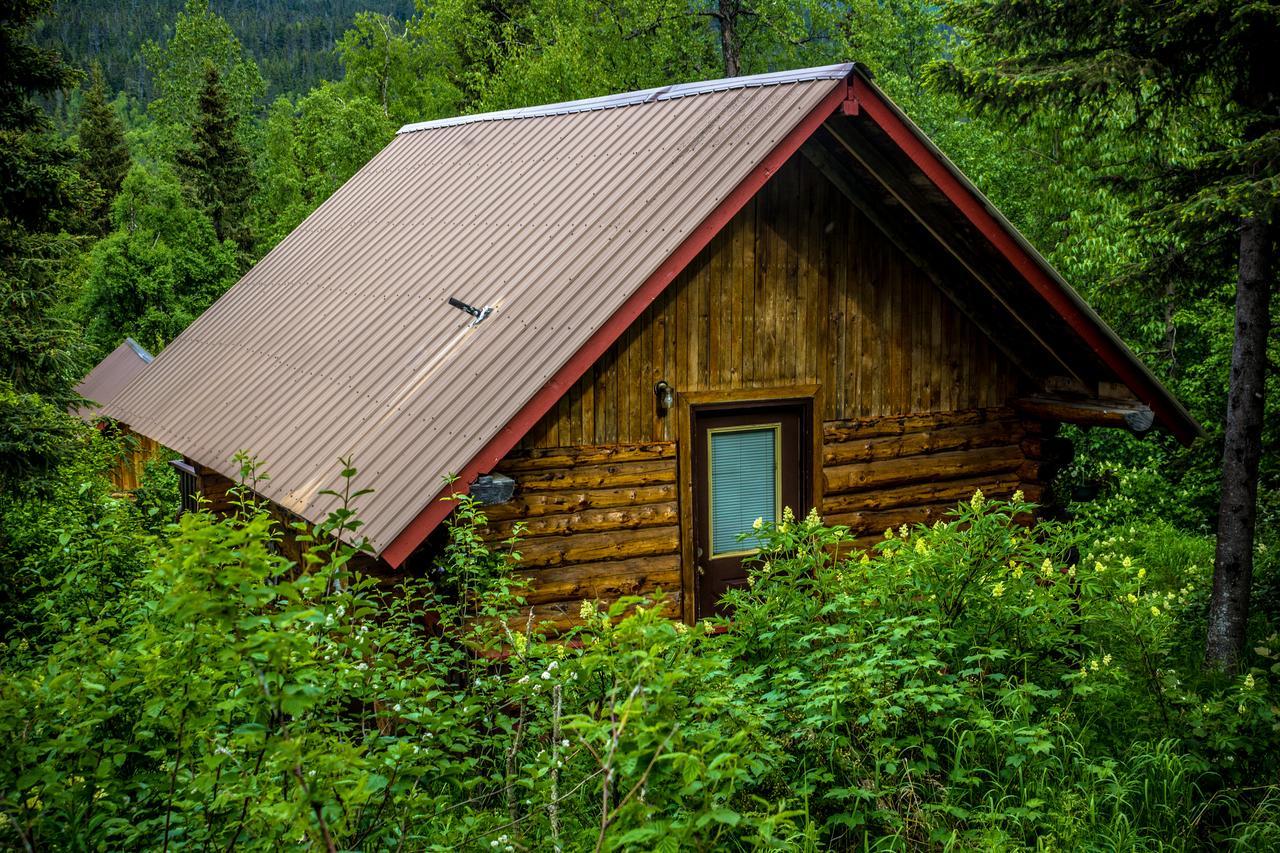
666 396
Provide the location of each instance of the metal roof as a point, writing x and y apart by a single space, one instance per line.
342 342
110 376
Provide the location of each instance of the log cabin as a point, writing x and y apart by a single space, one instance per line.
98 387
636 324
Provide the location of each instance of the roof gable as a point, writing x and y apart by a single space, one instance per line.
110 376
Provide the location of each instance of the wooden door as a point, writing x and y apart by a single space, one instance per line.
748 463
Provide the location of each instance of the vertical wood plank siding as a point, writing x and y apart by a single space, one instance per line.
126 473
798 288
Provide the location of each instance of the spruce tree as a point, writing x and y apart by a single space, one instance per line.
216 167
104 154
41 200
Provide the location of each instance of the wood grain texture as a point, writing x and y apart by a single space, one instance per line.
889 471
799 288
126 473
600 522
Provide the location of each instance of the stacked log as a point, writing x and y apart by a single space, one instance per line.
600 523
885 472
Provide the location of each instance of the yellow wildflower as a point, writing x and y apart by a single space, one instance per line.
757 524
1248 681
1142 573
1094 665
1155 611
787 514
1127 562
904 532
813 519
587 610
1046 568
1017 572
997 590
977 499
888 533
1106 660
1018 496
1099 568
1131 598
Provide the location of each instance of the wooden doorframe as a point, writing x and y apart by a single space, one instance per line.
807 396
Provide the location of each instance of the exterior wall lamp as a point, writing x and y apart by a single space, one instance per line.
666 396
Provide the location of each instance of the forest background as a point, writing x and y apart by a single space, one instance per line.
152 152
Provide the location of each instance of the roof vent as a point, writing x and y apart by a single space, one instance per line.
479 313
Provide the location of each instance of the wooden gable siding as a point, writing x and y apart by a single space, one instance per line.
798 288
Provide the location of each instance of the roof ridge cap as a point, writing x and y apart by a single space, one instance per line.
643 96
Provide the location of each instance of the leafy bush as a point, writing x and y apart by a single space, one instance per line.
979 683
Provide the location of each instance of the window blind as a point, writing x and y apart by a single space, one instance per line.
744 484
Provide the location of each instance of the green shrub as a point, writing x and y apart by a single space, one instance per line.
975 684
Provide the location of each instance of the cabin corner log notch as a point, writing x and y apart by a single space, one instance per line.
1132 415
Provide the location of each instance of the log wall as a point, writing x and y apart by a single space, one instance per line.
799 288
602 522
886 472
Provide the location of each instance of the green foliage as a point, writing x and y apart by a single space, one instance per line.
967 685
383 64
310 149
41 197
34 437
158 270
290 40
178 69
104 154
215 167
68 544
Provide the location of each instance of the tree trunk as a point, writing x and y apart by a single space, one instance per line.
727 15
1242 449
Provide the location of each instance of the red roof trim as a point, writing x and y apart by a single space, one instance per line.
876 107
412 536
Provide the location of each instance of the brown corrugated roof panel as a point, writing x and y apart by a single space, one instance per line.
110 376
342 341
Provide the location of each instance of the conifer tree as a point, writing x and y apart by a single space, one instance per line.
41 200
104 154
216 168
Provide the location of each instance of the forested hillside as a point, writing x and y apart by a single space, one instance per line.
291 40
1101 674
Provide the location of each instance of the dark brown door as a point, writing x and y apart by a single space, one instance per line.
748 463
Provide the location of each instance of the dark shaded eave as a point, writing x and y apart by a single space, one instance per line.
867 99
